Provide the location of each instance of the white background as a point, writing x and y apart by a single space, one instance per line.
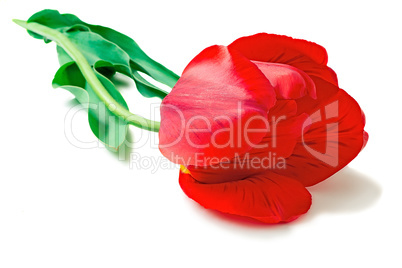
64 206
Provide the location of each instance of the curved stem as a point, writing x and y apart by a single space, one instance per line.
89 75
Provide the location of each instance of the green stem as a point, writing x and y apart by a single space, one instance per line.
90 76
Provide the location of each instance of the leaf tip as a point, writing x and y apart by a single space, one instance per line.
21 23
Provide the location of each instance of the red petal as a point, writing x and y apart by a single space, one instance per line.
233 170
268 198
285 131
306 56
280 142
288 81
334 138
219 91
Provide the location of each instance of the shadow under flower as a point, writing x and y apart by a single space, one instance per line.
344 192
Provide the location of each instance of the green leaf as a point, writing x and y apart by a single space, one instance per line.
69 77
95 48
138 61
106 126
105 57
87 61
110 129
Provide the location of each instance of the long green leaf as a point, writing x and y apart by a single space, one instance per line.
87 62
107 127
138 60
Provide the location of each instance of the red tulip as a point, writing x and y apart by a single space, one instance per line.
255 122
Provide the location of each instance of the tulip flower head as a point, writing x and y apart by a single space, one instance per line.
254 123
